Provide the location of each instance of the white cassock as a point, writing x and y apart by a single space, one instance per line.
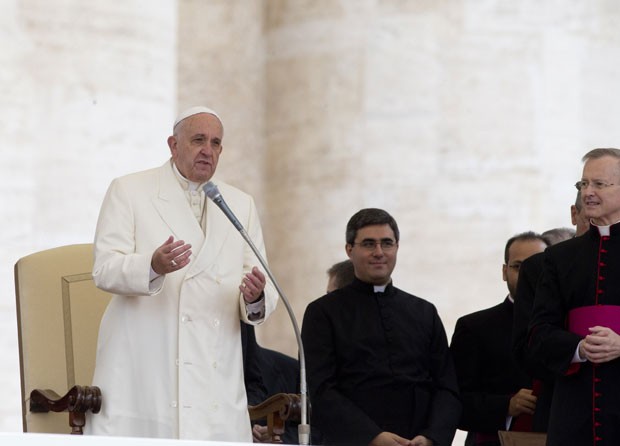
169 360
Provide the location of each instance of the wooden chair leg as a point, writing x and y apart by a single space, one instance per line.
277 409
275 428
77 420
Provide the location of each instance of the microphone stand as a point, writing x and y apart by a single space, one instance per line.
303 429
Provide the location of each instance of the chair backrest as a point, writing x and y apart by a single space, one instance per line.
58 314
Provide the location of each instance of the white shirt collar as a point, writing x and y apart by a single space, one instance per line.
379 288
185 183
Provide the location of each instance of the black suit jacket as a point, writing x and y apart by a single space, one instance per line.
487 374
529 275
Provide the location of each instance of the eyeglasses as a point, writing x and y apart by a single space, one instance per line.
370 245
596 184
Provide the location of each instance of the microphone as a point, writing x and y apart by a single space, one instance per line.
214 194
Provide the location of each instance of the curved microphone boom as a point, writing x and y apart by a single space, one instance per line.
214 194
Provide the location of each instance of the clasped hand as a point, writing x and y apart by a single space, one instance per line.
522 402
391 439
601 345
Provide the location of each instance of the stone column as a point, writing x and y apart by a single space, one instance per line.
87 93
348 113
316 141
221 65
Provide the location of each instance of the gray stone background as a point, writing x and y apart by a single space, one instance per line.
465 119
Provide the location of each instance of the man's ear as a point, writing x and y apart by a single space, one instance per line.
505 272
172 144
573 214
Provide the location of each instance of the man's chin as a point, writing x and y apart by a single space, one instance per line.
380 280
202 177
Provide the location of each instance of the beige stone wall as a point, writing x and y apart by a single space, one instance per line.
466 120
88 94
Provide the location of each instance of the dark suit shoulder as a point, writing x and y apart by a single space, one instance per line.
533 262
325 300
568 247
487 315
350 294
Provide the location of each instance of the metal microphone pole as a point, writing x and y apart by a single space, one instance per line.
303 429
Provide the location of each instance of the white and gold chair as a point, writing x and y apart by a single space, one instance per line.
59 309
58 314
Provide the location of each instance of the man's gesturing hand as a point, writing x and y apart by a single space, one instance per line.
170 256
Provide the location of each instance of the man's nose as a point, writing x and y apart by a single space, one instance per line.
206 149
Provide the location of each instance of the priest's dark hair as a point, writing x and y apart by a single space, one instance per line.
523 237
369 217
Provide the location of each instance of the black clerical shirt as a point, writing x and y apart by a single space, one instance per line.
379 362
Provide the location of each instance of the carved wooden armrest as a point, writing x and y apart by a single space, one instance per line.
277 409
77 401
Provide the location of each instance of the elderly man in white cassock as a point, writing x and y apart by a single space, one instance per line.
169 361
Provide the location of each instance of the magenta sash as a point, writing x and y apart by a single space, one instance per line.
582 318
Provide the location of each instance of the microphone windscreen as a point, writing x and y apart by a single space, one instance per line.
211 190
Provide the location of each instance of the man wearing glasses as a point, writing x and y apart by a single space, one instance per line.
575 318
379 368
495 392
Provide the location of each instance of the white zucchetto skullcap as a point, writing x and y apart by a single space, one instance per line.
194 111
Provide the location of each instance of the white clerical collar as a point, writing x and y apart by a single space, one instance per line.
379 288
604 230
185 183
511 299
